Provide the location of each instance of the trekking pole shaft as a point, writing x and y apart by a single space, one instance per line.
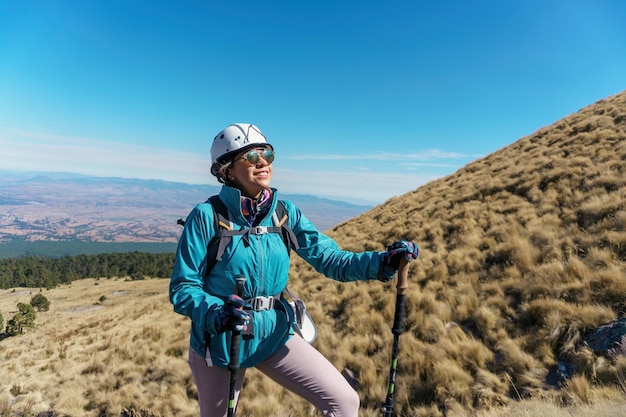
401 289
233 364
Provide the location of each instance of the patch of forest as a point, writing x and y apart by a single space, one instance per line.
48 272
18 246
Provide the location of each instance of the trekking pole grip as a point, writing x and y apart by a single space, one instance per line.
240 281
401 290
403 277
233 365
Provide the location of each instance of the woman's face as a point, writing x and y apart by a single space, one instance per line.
252 177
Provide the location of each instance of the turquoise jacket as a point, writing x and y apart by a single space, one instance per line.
265 264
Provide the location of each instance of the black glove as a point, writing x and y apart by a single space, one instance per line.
231 316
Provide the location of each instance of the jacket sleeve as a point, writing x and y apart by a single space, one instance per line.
323 253
186 290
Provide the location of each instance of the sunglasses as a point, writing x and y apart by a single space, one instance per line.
253 157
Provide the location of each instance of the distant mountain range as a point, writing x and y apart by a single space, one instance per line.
49 206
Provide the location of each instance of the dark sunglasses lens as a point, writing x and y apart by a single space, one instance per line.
268 156
252 157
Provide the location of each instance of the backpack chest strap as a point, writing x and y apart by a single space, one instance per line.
225 236
260 230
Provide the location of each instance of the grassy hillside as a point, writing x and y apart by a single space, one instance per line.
104 346
523 253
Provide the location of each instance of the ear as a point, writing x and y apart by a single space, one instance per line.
227 173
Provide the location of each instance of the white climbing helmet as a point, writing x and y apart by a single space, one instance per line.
235 138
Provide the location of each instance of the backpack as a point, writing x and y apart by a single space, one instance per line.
223 236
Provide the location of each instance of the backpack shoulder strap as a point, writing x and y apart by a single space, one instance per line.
280 214
220 213
280 219
223 233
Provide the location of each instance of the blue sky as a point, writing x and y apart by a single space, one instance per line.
362 100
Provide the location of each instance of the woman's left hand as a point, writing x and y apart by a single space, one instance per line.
398 250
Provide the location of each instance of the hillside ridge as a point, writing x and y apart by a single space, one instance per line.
523 252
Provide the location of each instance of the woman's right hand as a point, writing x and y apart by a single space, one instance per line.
232 316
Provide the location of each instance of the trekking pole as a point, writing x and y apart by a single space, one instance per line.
401 287
233 365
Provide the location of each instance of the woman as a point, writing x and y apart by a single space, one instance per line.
242 161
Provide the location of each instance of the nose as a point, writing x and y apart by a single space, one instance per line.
262 161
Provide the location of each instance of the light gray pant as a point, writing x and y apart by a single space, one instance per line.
297 366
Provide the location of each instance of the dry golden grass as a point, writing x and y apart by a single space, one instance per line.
88 357
522 253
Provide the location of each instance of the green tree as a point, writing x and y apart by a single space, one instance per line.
25 317
13 327
40 302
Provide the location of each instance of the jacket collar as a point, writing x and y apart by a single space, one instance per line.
232 200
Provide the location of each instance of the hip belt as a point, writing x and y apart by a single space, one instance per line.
262 303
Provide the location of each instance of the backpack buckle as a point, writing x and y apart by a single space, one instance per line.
262 303
258 230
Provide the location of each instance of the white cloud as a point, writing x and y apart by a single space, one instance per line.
358 186
374 179
415 165
44 152
425 155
